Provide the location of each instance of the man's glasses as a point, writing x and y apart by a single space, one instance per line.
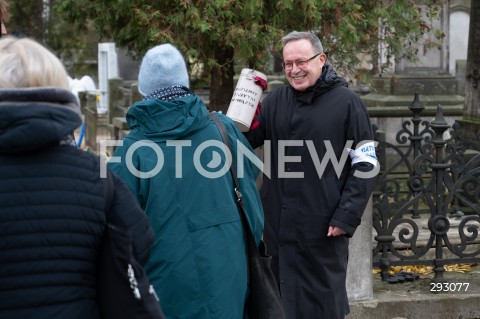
301 64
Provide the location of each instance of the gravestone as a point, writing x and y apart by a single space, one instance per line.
392 93
107 69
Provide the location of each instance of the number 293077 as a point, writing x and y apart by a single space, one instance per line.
449 286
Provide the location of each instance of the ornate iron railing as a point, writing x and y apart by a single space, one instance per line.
427 185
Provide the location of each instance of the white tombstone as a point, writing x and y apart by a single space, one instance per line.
107 69
433 60
459 24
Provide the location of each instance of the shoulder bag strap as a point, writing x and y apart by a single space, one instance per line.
250 240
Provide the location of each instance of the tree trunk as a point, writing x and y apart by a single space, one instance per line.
221 82
471 109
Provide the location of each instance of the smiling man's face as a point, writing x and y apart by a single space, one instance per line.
302 50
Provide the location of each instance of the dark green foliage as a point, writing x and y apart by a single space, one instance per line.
351 31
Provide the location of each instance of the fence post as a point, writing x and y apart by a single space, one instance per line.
359 271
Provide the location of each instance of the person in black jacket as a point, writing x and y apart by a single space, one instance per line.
52 197
322 167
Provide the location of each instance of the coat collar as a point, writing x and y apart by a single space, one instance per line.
327 81
35 118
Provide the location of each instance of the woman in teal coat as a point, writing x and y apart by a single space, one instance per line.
173 162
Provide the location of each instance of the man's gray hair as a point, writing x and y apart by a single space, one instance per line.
310 36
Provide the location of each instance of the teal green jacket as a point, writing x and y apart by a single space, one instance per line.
172 162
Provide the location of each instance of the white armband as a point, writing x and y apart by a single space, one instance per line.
364 153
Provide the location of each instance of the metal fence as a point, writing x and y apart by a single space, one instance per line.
426 207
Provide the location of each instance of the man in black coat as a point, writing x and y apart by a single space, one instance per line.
322 168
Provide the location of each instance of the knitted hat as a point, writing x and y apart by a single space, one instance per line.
161 67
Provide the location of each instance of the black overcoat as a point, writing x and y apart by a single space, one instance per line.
302 197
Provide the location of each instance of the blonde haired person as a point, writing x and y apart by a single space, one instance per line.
52 199
26 63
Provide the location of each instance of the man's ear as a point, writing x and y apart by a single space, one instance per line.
323 58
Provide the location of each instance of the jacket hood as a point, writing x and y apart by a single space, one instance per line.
33 118
327 81
161 120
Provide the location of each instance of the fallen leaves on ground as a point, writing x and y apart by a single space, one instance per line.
422 269
463 268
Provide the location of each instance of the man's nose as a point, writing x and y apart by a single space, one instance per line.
295 67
